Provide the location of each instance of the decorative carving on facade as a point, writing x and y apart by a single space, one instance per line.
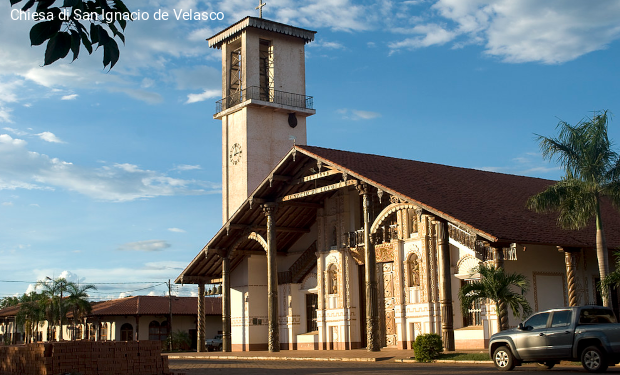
357 253
384 252
462 236
310 281
386 212
467 264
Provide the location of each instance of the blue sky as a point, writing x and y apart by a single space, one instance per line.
115 176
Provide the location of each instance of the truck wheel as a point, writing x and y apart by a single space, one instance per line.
546 365
503 359
593 359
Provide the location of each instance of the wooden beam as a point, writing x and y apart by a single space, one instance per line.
302 204
193 280
316 176
317 190
264 228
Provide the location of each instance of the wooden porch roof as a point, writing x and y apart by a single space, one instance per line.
489 204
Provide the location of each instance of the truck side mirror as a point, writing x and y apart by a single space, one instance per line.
520 326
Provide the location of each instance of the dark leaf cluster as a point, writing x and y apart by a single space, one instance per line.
66 29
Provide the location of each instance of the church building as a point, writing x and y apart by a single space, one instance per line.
334 250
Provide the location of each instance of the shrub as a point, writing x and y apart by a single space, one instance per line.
427 347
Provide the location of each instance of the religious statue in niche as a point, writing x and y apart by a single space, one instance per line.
332 281
413 269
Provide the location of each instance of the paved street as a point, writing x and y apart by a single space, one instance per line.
246 367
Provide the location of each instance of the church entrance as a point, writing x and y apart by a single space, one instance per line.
387 316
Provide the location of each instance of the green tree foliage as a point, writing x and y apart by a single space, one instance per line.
427 347
31 313
77 300
497 285
8 302
180 340
592 171
62 296
71 25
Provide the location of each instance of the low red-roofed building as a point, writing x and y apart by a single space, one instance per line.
127 319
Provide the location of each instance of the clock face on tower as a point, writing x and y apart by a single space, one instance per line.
235 153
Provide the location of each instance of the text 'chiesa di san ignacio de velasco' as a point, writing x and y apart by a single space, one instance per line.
334 250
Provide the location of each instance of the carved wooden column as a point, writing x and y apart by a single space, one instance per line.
226 323
200 321
502 314
445 291
372 301
272 278
569 260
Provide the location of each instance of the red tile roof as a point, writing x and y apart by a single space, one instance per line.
493 203
155 305
9 311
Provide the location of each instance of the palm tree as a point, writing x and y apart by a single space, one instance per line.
77 300
592 171
55 304
497 285
31 313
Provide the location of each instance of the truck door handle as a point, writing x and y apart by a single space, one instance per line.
566 331
541 334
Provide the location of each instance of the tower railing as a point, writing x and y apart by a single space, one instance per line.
267 95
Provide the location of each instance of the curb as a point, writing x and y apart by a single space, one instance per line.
443 361
273 358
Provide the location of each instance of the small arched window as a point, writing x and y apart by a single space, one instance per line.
413 270
126 332
332 279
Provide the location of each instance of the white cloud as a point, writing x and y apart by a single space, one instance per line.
355 114
5 114
148 245
549 32
176 230
431 34
69 97
24 169
207 94
185 167
49 137
7 204
326 44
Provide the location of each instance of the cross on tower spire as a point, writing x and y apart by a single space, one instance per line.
260 8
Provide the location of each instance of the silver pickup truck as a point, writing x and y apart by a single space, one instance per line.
588 334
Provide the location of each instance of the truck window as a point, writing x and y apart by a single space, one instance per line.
561 318
537 321
596 316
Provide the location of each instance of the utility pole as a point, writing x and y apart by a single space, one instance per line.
170 317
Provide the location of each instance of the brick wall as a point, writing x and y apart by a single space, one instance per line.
85 358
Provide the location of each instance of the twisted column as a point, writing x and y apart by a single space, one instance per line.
201 318
571 281
269 210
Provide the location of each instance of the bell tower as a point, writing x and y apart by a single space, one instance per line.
264 104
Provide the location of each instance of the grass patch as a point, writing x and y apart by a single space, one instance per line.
465 356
